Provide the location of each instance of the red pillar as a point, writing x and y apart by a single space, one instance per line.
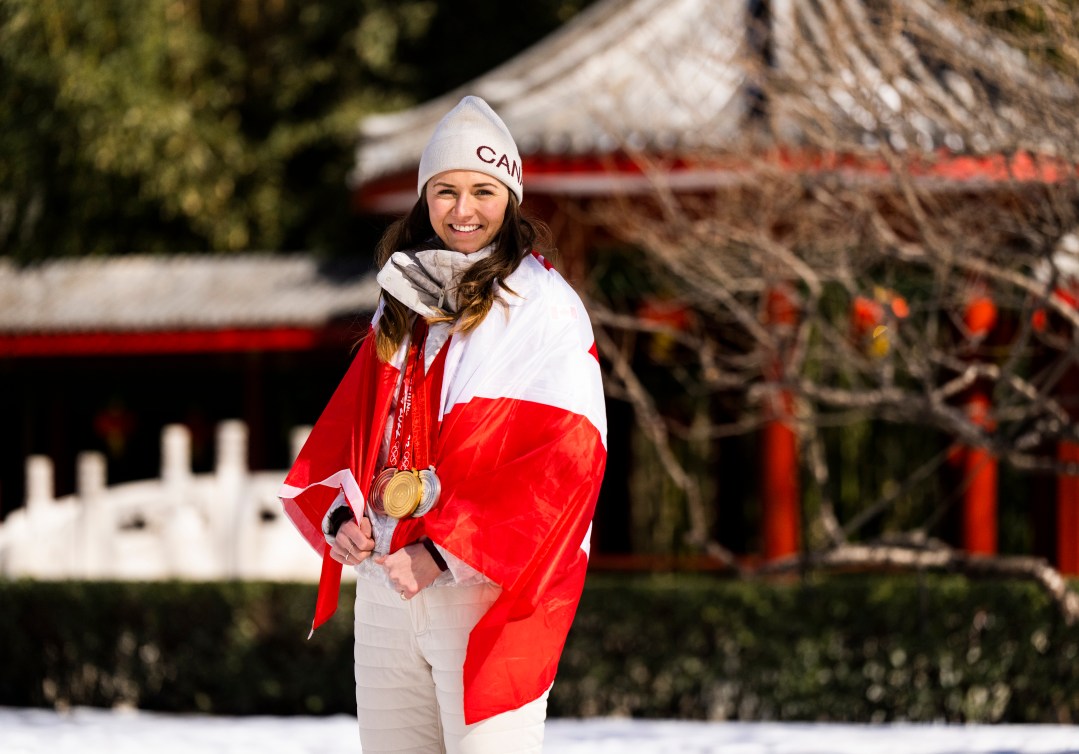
1068 511
781 514
1067 392
980 479
979 466
779 488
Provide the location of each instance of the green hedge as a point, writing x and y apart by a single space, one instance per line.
234 648
856 648
853 648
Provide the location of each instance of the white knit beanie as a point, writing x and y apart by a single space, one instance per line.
471 136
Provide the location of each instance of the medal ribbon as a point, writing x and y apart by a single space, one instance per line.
410 432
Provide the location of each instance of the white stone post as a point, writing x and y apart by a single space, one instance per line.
229 525
185 530
231 448
175 455
95 531
90 475
46 551
40 490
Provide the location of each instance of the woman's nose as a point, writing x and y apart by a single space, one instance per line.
463 205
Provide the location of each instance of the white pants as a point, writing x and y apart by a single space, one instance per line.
409 667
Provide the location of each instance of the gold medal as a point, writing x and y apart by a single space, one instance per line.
378 490
402 494
413 492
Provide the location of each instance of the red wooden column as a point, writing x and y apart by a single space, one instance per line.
980 478
781 515
979 466
1068 511
1067 392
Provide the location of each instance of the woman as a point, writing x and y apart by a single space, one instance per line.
458 463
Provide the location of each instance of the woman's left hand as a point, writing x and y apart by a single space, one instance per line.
410 569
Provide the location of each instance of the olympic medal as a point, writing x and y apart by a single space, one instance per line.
402 494
378 490
432 488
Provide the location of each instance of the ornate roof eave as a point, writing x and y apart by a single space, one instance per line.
201 302
582 178
549 92
685 77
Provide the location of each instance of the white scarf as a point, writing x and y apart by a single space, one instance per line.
426 281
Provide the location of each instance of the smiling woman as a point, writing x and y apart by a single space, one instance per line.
457 466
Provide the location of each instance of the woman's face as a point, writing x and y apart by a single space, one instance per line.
466 208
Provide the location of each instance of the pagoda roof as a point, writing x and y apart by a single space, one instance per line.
281 296
683 76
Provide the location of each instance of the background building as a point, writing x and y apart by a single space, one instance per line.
805 233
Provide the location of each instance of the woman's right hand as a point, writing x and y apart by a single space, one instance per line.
354 542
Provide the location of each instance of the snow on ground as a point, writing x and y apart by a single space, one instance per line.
96 731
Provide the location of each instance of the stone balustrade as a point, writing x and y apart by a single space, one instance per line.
227 524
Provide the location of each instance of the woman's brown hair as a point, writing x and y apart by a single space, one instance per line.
476 292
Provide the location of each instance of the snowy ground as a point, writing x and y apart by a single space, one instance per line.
93 731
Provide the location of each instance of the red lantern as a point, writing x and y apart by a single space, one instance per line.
866 315
870 317
980 316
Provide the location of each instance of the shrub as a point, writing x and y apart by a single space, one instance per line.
850 648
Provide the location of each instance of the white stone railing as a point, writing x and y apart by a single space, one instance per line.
223 525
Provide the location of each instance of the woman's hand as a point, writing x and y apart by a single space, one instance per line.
410 569
353 543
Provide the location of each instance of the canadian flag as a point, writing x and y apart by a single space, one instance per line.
520 450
